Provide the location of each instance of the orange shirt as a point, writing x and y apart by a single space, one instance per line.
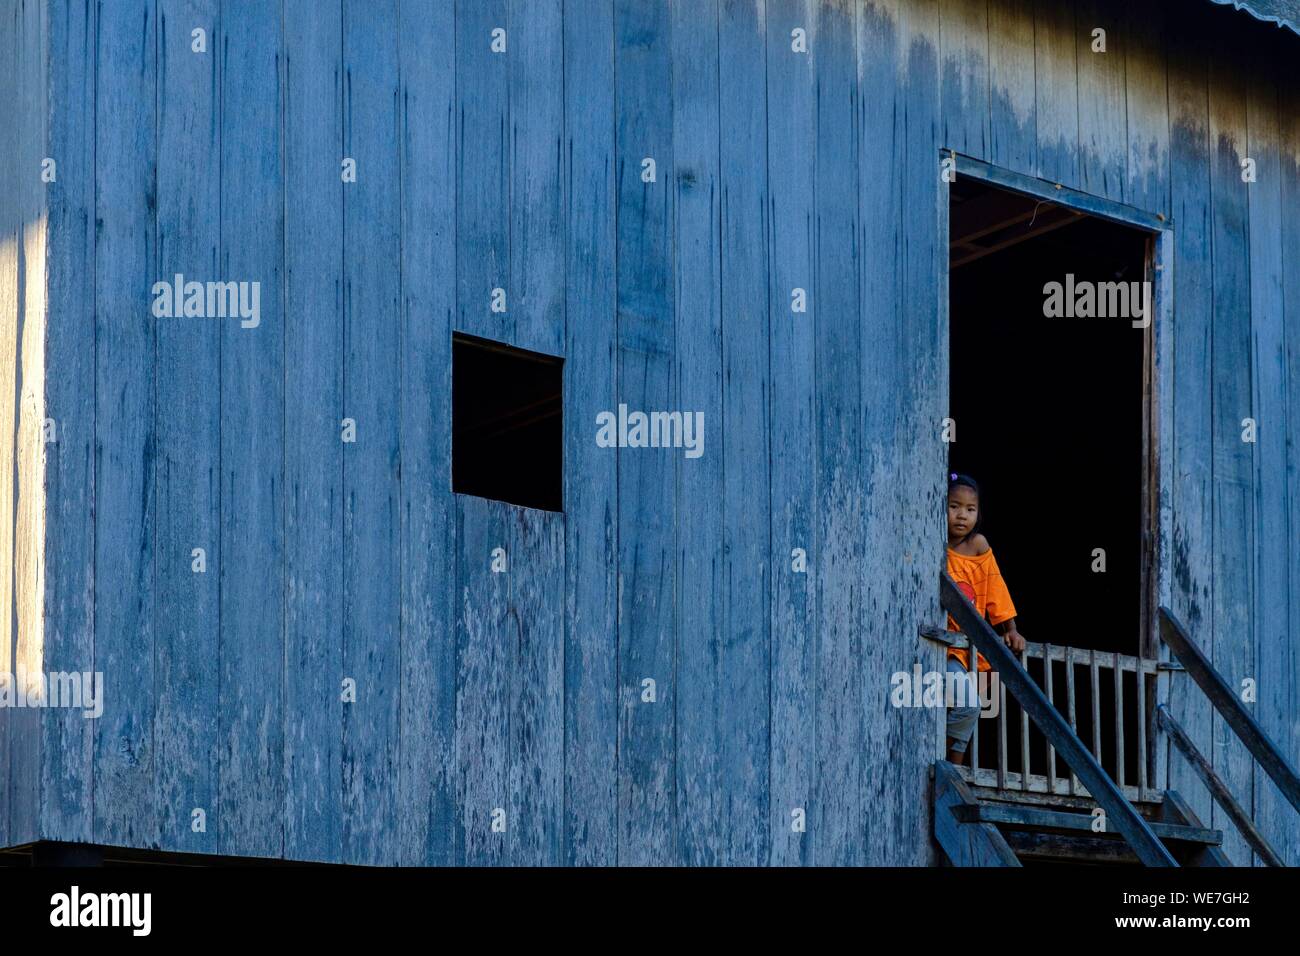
978 577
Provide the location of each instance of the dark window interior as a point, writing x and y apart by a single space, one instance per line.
507 424
1050 422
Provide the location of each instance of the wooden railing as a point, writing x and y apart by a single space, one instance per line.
1121 816
1103 696
1271 760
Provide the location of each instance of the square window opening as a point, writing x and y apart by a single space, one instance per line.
507 436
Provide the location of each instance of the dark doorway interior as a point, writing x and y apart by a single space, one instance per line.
1050 412
507 423
1051 417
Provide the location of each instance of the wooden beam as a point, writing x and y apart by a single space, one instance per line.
1046 222
1022 817
966 844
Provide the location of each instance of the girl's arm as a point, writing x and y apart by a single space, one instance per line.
1010 636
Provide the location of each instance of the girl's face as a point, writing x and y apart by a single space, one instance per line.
963 509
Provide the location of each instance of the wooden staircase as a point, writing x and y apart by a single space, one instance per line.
977 827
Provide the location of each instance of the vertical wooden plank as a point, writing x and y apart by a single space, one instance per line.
1189 378
1013 124
536 210
791 150
68 746
1160 432
483 175
839 824
1233 458
536 300
429 830
591 717
901 311
1146 104
1273 617
313 452
11 214
1056 92
746 661
964 38
1289 115
371 469
701 564
647 512
1103 133
252 438
536 756
26 359
902 597
486 636
125 441
186 468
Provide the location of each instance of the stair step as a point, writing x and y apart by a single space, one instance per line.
1037 847
1036 818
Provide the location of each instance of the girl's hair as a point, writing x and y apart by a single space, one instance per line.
955 479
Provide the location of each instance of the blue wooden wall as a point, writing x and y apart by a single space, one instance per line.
522 170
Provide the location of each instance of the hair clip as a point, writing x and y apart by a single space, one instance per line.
953 476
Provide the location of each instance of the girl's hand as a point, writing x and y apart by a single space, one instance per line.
1013 640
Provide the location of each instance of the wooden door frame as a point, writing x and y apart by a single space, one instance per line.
1157 364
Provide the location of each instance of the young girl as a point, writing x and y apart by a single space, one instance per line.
974 570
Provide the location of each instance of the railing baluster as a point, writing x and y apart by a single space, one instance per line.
1095 679
972 667
1051 752
1024 731
1002 735
1074 717
1140 676
1119 723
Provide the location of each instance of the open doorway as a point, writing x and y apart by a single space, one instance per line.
1052 410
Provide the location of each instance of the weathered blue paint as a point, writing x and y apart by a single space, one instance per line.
427 784
1191 548
187 467
591 712
791 145
516 697
648 509
125 801
1232 524
313 409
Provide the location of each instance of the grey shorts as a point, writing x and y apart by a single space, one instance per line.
961 720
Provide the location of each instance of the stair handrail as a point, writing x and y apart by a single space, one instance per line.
1125 818
1248 731
1218 789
